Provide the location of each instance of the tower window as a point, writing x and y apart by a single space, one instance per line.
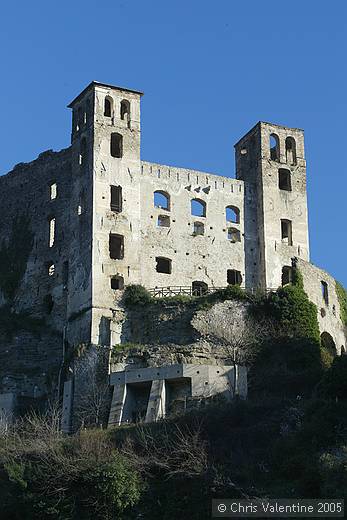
198 208
290 151
234 277
116 199
163 265
51 232
274 147
284 179
286 232
116 246
51 269
125 110
116 145
232 214
287 274
108 106
117 283
234 235
163 221
199 228
162 200
83 152
53 191
325 293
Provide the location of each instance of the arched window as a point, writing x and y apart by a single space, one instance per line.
199 228
274 147
108 106
234 235
162 200
291 151
125 110
198 208
232 214
116 145
284 179
199 288
328 343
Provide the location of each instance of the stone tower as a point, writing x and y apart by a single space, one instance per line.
270 160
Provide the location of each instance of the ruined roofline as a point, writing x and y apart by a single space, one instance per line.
24 167
193 171
98 83
265 123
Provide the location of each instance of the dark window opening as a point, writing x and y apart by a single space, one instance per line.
83 152
108 107
274 147
163 265
284 179
325 293
117 283
234 235
232 214
198 208
234 277
199 288
162 200
163 221
116 246
286 232
291 151
116 199
287 274
125 111
199 228
116 145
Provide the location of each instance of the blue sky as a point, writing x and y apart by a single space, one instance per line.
209 70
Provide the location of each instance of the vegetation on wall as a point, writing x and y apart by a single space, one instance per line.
342 296
14 254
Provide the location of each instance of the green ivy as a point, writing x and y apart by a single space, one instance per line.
342 297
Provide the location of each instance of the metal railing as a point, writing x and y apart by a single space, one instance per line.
188 290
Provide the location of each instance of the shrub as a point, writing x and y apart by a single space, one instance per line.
342 297
136 295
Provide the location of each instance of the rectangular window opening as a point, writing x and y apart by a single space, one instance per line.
286 232
116 199
163 265
116 246
325 293
51 232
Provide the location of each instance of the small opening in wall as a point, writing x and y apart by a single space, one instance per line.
51 232
290 151
51 269
199 288
108 106
198 208
116 199
125 110
287 274
53 191
286 232
274 147
163 221
116 246
284 179
234 235
116 145
325 292
162 200
232 214
199 228
117 283
163 265
234 277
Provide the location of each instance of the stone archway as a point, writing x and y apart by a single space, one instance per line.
328 343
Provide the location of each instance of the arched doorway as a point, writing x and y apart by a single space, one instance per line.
199 288
328 343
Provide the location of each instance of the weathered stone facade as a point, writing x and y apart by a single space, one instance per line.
98 225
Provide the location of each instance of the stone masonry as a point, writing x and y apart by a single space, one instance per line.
103 219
